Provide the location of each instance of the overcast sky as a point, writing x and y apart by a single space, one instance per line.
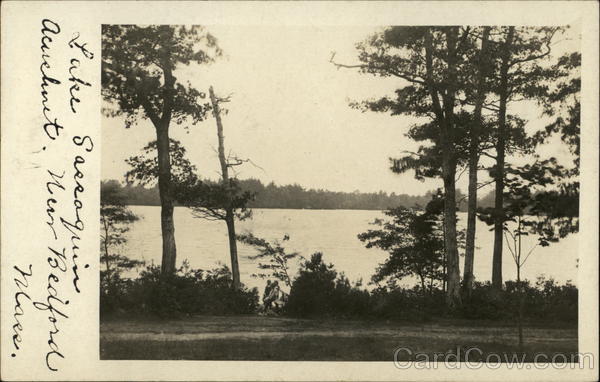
289 114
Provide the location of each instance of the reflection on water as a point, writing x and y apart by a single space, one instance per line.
333 232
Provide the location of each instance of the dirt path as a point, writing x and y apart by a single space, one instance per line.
248 328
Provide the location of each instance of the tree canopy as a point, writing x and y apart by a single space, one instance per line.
137 63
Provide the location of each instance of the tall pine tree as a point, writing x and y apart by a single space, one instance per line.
139 82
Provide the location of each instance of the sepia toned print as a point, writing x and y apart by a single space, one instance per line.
304 229
340 193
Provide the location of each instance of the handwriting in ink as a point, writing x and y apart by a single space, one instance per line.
51 127
22 283
75 65
76 226
75 44
53 306
51 201
76 82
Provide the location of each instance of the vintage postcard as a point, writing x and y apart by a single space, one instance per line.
299 191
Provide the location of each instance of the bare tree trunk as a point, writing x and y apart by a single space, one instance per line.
520 312
445 120
473 164
423 287
106 260
499 171
520 319
444 261
471 225
235 270
169 252
444 283
521 296
229 216
453 299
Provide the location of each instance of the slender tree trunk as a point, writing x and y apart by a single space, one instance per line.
453 298
169 251
521 296
499 170
475 132
161 125
520 312
445 120
444 261
229 216
444 283
471 224
235 270
106 260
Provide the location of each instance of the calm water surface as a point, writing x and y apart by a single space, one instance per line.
333 232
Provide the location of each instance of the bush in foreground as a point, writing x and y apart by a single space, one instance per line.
545 300
320 291
187 292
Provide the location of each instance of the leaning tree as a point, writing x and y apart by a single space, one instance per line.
138 82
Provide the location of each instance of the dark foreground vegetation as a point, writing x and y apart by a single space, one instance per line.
196 315
320 292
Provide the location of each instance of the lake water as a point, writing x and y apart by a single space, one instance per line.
333 232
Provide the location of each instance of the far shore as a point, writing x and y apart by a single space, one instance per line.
286 208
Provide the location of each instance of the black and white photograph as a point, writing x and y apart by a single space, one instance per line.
332 193
299 190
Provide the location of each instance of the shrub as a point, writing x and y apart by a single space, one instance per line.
544 301
319 291
349 300
407 304
313 289
550 301
113 292
187 292
486 303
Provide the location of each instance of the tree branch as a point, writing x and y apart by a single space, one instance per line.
534 57
437 108
489 155
149 111
391 71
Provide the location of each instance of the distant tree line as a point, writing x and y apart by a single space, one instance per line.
291 196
